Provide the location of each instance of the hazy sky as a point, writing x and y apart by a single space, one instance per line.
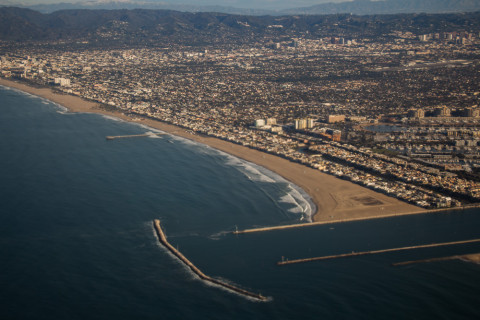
256 3
266 4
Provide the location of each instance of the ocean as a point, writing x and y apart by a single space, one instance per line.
77 242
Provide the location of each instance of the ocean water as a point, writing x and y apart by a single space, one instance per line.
76 236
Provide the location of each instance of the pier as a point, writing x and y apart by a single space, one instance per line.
136 135
362 253
163 240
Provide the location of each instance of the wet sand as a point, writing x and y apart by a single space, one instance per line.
335 199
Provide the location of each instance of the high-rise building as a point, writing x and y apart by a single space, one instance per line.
423 37
416 113
259 123
271 121
472 112
62 82
309 123
442 112
303 123
300 124
335 118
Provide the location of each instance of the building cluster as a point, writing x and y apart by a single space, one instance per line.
445 112
301 124
418 177
277 98
269 124
455 37
447 146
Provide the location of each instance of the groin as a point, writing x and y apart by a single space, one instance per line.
318 223
362 253
163 240
312 224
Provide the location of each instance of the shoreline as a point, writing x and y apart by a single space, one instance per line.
334 199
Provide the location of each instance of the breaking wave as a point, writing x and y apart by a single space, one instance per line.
298 201
112 118
295 196
150 129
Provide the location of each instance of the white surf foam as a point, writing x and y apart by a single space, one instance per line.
153 135
43 100
218 235
191 143
302 204
112 118
22 92
144 126
192 275
61 109
291 200
227 281
250 170
301 201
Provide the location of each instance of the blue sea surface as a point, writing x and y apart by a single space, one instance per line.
77 242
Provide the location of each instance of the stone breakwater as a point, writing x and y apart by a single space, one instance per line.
163 240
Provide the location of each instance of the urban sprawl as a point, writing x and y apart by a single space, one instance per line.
398 116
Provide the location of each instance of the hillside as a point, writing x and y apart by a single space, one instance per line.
165 26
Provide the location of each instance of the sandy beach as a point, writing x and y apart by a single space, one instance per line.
335 199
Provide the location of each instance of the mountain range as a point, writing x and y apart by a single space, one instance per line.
358 7
163 27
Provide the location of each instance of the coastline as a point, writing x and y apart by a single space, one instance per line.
335 199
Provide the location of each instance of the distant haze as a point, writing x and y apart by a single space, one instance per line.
251 4
260 7
255 4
